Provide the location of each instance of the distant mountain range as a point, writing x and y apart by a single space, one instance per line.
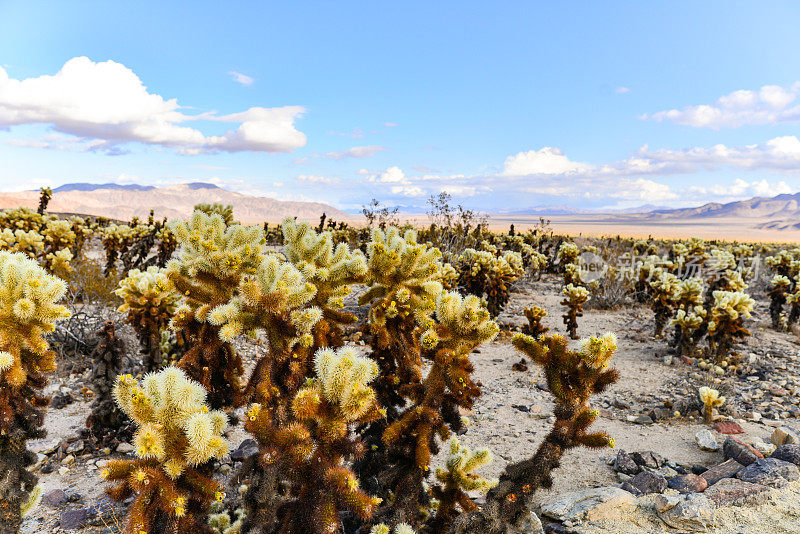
778 207
125 201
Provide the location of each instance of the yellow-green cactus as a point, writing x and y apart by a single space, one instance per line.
665 290
176 440
574 299
711 400
213 261
223 210
781 285
726 320
456 479
29 310
150 301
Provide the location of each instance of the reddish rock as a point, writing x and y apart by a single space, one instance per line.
731 489
726 469
689 483
728 427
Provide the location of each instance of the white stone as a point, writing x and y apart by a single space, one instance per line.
589 505
706 440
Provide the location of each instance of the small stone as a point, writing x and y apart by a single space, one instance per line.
54 498
729 490
769 472
764 448
63 470
788 453
649 459
728 427
693 512
706 440
74 519
726 469
124 448
589 504
623 463
645 483
659 414
643 420
740 451
754 416
689 483
246 448
75 447
44 446
784 435
69 459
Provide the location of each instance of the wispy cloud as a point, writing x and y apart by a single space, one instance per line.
772 104
356 152
621 90
106 104
240 78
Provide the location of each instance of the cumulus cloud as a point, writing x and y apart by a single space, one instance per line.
772 104
106 104
356 152
546 161
240 78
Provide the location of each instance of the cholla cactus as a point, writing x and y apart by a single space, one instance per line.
316 446
534 315
116 239
793 299
726 321
150 300
689 328
213 260
777 298
574 299
106 421
402 528
45 195
485 273
223 210
403 276
176 440
664 291
330 270
456 479
568 253
220 521
462 324
711 400
573 377
28 311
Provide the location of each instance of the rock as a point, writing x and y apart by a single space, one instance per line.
740 451
729 490
623 463
642 420
693 512
764 448
706 440
726 469
648 459
75 447
590 504
54 498
245 449
74 519
69 459
769 472
784 435
689 483
44 446
788 453
728 427
61 400
754 416
63 470
125 448
645 483
658 414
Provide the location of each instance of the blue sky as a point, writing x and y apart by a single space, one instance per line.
505 105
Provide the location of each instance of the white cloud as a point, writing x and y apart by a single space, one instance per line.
407 190
106 104
546 161
240 78
356 152
393 175
769 105
622 90
390 124
317 179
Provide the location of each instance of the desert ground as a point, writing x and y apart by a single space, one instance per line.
651 408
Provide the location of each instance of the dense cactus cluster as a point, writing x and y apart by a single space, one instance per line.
29 309
487 273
